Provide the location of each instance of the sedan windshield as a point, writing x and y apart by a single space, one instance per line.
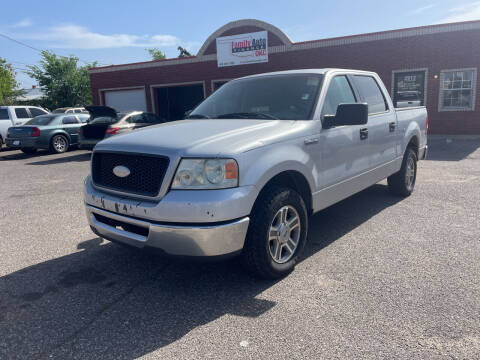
41 120
284 97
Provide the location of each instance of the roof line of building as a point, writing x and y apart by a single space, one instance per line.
380 35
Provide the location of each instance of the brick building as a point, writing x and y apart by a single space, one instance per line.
433 65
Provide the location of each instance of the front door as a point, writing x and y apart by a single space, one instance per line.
344 150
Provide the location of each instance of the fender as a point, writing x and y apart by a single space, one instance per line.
269 161
60 132
413 130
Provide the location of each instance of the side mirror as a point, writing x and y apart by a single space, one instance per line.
347 114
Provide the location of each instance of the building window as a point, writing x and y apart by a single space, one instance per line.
457 90
409 87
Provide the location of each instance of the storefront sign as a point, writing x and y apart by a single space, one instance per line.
242 49
409 88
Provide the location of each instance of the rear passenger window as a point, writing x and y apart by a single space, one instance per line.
70 120
4 114
21 113
370 93
36 112
339 92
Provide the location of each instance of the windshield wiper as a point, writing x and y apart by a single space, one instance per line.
247 115
198 116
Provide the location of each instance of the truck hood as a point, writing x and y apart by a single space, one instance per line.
205 136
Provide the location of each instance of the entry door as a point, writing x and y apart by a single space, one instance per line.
344 152
173 102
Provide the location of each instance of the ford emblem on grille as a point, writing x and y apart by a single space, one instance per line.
121 171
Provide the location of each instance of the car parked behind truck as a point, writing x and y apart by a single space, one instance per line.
54 132
252 162
105 122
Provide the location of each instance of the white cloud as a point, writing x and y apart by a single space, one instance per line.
465 12
421 9
70 36
22 23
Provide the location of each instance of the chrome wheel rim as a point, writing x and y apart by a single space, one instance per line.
60 144
284 234
410 173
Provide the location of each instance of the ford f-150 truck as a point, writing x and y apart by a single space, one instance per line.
250 164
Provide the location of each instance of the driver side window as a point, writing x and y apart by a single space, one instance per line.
339 92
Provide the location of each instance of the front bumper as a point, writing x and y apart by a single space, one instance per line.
187 223
182 240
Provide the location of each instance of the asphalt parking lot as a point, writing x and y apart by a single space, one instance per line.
383 277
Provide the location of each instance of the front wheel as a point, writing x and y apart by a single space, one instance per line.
59 144
277 233
403 182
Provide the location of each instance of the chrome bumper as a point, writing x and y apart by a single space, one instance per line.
185 240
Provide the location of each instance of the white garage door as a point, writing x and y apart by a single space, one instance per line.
122 100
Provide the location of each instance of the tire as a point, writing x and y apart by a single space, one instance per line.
59 144
260 255
1 144
29 151
402 182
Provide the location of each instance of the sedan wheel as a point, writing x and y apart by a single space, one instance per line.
59 144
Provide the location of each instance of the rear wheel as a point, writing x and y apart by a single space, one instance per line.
29 150
59 144
277 233
403 182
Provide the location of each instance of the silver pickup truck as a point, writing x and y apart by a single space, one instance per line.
246 169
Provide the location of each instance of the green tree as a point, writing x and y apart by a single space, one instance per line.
156 54
183 52
63 81
8 84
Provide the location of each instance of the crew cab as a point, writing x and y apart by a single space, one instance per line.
242 174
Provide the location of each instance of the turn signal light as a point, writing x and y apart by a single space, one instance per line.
35 132
111 131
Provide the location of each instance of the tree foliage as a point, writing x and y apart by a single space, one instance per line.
8 84
183 52
63 81
156 54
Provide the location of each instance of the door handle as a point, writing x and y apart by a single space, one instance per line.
392 126
363 133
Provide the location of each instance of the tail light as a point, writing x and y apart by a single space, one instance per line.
426 127
111 131
79 131
35 132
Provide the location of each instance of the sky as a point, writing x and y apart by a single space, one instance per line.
117 32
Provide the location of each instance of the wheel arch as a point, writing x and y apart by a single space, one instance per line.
294 180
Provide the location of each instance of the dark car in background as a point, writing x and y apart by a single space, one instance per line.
55 132
106 122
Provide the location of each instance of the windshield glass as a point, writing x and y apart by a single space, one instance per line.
41 120
285 97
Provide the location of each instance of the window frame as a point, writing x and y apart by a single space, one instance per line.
441 90
355 94
29 116
425 85
387 106
71 123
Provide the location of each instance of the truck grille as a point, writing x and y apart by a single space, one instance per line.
146 172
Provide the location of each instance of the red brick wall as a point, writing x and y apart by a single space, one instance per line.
460 49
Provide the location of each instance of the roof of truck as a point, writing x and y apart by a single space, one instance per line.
306 71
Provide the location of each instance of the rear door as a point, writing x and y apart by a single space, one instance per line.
382 122
71 124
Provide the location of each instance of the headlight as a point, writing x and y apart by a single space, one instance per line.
206 174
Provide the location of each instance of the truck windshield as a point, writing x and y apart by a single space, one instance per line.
284 97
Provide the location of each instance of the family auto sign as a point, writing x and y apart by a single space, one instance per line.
242 49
